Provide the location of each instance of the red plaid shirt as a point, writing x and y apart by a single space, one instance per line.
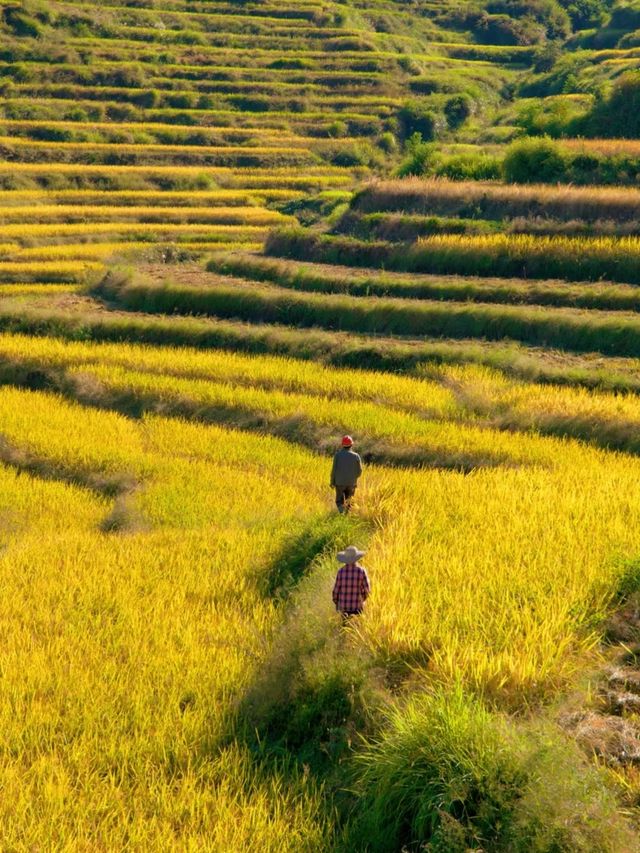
351 588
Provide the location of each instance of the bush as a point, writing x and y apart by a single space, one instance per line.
20 22
553 117
147 98
448 774
469 167
619 114
546 13
416 117
457 110
337 129
504 30
529 161
586 14
421 157
387 142
430 85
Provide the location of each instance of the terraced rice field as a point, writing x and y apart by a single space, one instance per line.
248 105
179 358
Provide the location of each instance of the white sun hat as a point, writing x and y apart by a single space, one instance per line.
350 554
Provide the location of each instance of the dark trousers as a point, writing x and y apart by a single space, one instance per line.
344 495
348 614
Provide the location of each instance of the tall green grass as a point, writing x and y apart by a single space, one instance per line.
445 775
362 282
611 334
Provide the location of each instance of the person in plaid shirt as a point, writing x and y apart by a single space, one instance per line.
352 586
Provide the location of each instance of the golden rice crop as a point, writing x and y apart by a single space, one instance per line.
16 198
125 630
37 289
50 271
601 248
444 442
321 172
482 396
460 590
218 232
69 214
269 373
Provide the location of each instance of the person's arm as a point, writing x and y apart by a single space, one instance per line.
359 465
365 585
332 481
336 587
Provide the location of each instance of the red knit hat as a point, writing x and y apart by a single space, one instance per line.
347 441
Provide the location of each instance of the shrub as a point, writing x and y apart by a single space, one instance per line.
387 142
417 117
585 14
447 773
457 110
469 167
552 117
20 22
546 13
421 157
619 114
530 161
337 129
146 98
504 30
430 84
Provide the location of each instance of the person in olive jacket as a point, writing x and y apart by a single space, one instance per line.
347 468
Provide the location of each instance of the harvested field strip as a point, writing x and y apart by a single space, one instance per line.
171 138
320 171
585 331
361 102
499 201
190 74
606 147
518 255
323 278
149 127
103 250
174 177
